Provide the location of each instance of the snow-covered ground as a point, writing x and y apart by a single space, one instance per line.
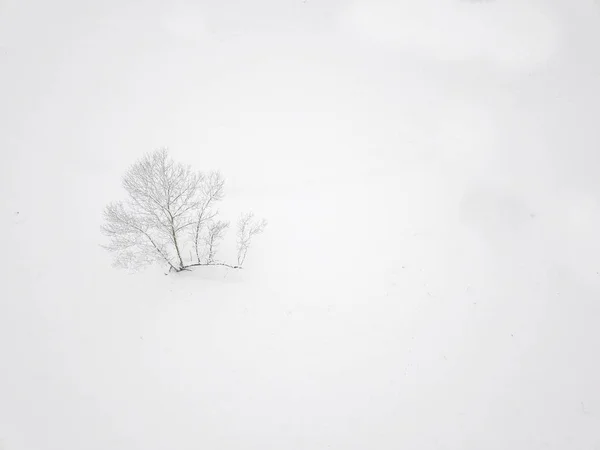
430 276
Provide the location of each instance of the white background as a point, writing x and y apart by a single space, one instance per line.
430 275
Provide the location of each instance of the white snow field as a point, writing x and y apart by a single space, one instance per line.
430 275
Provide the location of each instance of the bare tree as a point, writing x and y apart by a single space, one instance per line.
216 231
168 208
211 190
247 229
133 240
162 197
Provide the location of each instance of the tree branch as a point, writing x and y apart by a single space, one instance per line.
213 264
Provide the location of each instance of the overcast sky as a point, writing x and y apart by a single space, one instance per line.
288 80
288 93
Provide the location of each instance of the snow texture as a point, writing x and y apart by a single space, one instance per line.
430 276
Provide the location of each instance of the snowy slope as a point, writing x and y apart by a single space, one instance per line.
430 275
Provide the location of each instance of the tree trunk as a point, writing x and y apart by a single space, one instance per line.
177 248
